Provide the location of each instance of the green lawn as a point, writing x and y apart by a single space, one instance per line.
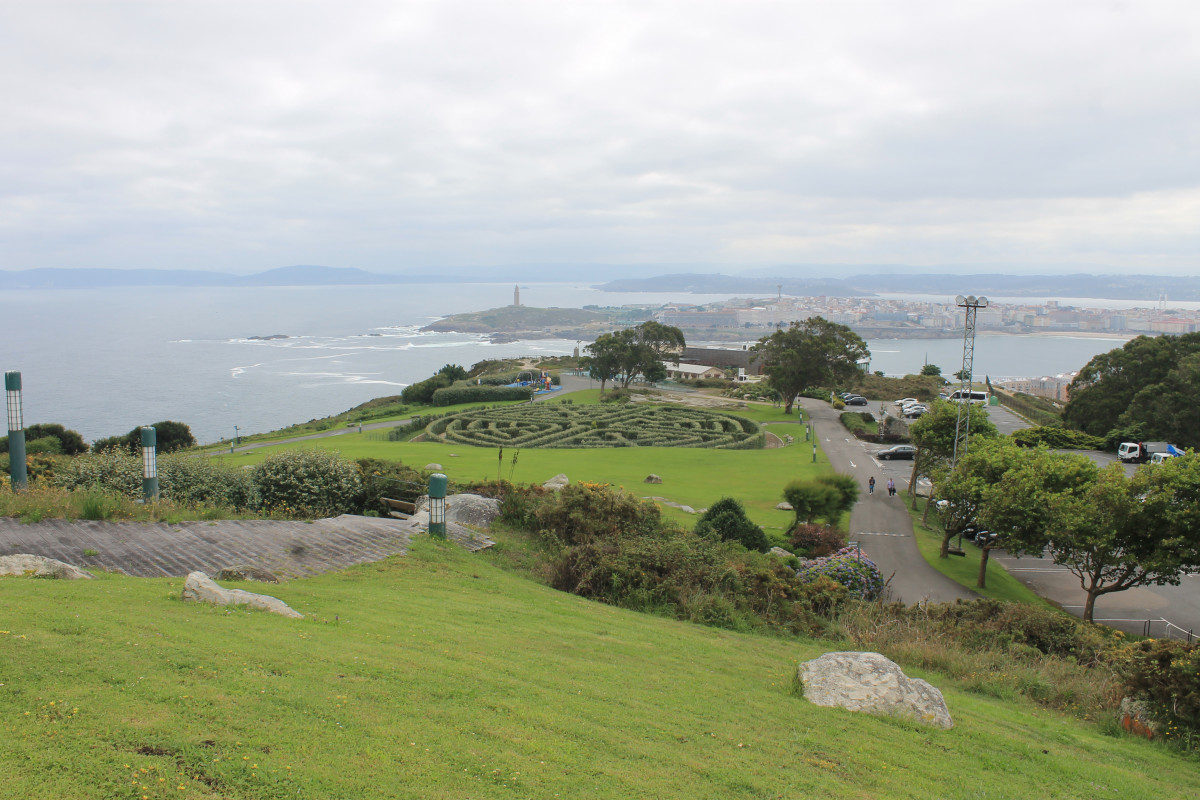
965 569
438 675
691 476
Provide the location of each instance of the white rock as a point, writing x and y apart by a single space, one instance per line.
557 482
200 588
433 467
784 507
779 551
869 682
472 509
40 567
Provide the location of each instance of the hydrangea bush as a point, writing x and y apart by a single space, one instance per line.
848 567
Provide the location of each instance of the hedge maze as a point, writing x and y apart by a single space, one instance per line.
563 426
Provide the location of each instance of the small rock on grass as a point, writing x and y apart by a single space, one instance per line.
199 588
40 567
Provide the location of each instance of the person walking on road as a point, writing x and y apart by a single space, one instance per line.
871 485
891 487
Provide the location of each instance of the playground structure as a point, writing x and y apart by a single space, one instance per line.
538 381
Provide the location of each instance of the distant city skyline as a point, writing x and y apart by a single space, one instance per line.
448 136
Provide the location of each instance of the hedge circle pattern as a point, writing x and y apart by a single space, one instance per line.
549 426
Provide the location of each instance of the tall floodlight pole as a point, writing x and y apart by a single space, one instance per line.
962 424
16 431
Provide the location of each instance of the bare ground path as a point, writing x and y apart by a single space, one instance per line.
289 549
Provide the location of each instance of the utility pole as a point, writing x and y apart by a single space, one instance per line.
962 424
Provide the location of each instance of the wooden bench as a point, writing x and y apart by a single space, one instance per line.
399 508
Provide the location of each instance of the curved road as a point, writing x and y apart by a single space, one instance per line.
881 524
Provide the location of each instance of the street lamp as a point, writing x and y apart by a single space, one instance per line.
437 505
149 464
16 431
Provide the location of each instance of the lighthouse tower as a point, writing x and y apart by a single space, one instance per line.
516 295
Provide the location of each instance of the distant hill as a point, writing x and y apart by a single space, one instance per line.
1114 287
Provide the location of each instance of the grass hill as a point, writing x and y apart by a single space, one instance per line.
438 675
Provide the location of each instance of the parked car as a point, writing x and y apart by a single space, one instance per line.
906 401
914 410
899 451
856 401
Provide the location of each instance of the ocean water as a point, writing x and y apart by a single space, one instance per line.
104 361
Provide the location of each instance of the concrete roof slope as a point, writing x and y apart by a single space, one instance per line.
289 549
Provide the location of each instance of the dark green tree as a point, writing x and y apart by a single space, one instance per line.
808 354
814 499
1168 410
1104 390
726 520
169 436
933 435
630 352
71 442
603 361
453 372
931 369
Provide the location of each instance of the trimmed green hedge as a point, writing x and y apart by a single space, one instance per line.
454 395
561 426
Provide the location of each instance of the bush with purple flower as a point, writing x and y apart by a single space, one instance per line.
850 568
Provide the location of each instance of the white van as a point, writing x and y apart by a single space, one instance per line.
975 398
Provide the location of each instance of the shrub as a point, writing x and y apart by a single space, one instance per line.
810 500
47 445
848 567
616 396
1057 438
1166 673
307 483
986 622
67 442
98 505
454 395
192 481
587 512
169 436
113 470
726 520
387 479
815 541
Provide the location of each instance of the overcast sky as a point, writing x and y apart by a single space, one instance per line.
418 136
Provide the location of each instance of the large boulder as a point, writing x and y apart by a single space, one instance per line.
199 588
40 567
472 509
557 482
869 682
652 478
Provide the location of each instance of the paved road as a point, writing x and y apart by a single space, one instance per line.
881 524
1147 610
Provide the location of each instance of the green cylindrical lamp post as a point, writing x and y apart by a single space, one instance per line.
149 464
437 504
16 431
